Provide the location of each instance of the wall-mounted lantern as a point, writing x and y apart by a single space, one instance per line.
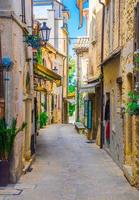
45 32
38 38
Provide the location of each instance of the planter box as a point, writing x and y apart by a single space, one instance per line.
4 173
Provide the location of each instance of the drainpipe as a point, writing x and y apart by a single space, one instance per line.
63 91
2 103
102 75
78 73
67 74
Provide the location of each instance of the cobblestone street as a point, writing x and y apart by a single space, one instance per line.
68 168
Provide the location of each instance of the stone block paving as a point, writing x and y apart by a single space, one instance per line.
68 168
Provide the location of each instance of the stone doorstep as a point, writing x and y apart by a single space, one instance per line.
28 164
79 127
10 191
127 170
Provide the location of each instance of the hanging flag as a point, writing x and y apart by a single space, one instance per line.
80 7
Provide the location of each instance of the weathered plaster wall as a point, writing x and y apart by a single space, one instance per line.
13 46
127 63
111 73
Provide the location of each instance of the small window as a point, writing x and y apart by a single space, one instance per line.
23 11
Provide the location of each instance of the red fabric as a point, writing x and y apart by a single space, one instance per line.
108 130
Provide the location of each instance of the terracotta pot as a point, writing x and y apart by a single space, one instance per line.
4 173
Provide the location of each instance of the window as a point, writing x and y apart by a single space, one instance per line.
23 11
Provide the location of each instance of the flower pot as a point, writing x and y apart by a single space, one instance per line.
4 173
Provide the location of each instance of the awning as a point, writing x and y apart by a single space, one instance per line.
71 95
40 89
44 72
89 88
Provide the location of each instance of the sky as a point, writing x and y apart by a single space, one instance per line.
74 23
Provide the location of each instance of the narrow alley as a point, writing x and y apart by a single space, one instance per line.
69 168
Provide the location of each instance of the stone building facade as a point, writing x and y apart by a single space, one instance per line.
56 16
15 22
113 38
81 50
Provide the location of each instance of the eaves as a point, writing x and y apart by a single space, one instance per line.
11 15
113 55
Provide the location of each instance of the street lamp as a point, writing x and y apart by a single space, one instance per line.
41 34
45 32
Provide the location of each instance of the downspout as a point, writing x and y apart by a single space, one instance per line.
67 74
3 97
102 75
77 115
63 91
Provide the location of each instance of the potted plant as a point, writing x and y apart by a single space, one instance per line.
7 138
43 119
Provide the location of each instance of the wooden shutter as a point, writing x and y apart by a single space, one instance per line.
23 11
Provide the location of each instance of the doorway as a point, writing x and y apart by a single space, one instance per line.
107 120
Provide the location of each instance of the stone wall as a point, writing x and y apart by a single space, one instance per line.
15 88
131 129
119 33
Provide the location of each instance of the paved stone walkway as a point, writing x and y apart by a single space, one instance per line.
68 168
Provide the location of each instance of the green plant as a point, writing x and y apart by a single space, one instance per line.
43 119
71 84
133 106
7 137
71 109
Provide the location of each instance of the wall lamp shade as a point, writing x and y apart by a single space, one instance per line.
45 32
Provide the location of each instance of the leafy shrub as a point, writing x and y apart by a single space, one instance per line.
7 137
133 105
43 119
71 109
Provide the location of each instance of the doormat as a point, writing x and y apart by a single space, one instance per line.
10 191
